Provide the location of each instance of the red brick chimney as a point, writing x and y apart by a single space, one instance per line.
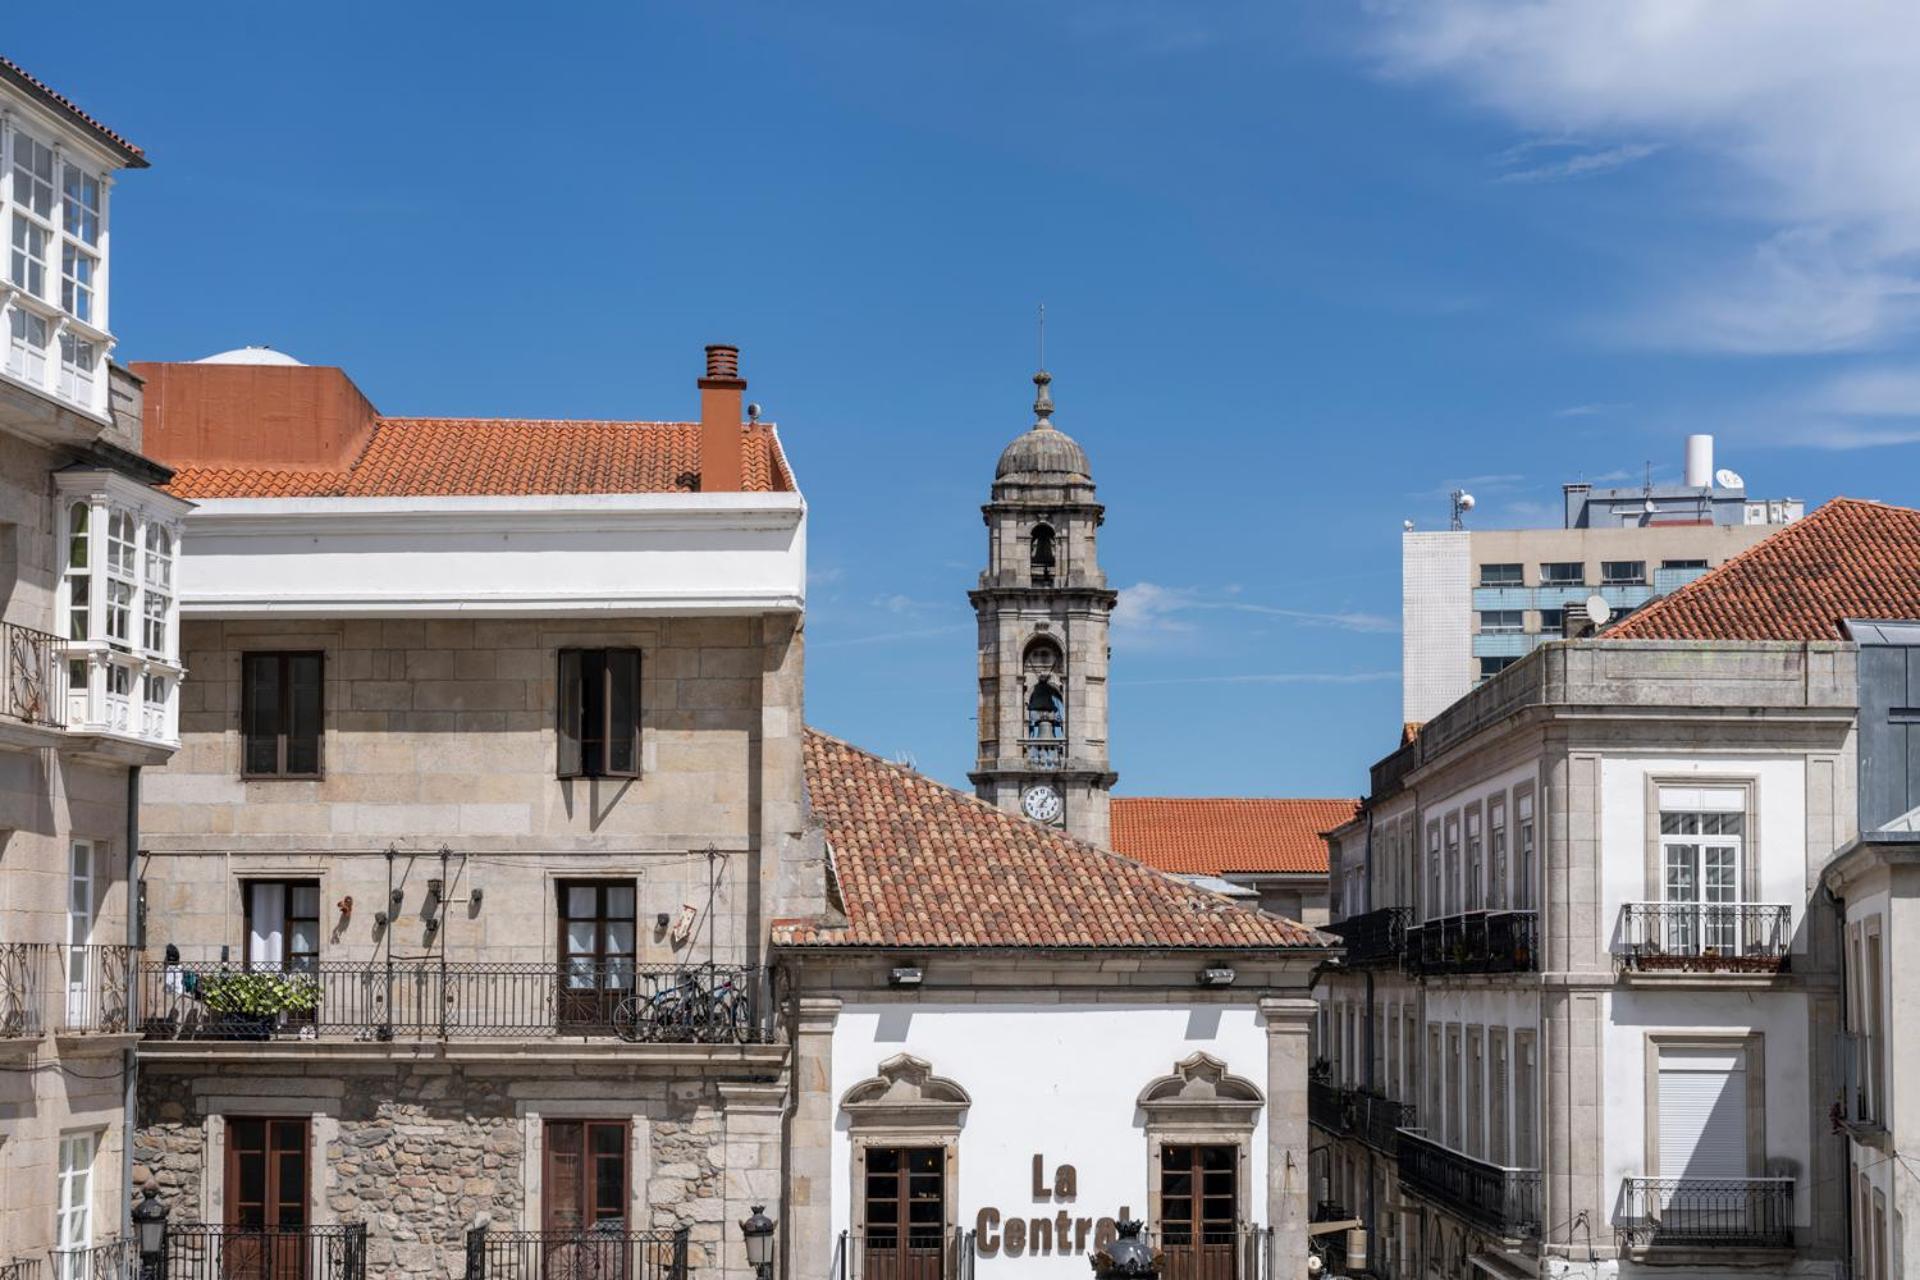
720 395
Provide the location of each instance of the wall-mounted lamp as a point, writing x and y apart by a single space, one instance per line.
1221 977
380 918
397 897
475 896
907 976
662 920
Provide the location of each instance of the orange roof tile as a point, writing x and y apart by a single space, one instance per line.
1849 559
11 70
446 457
921 865
1213 837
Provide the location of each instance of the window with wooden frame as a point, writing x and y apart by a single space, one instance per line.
283 925
599 713
281 703
586 1181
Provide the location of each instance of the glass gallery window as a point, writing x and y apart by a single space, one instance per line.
117 541
53 209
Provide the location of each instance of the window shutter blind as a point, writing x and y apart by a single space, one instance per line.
568 703
1703 1114
1497 1101
623 712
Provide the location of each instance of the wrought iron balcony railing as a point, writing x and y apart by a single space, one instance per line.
115 1259
1719 937
23 1269
203 1251
1476 942
435 1000
24 969
1862 1104
1707 1213
914 1253
1502 1200
91 987
605 1251
33 676
1330 1106
1374 937
1360 1113
1382 1119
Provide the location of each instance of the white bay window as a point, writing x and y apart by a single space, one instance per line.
53 208
120 540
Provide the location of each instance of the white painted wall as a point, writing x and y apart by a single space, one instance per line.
596 554
1057 1079
1780 1016
1781 847
1436 622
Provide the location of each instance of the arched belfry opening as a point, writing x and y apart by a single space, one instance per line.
1040 555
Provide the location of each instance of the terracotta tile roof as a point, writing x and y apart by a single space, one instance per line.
1849 559
11 70
1213 837
444 457
920 865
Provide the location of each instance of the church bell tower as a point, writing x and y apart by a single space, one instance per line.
1043 607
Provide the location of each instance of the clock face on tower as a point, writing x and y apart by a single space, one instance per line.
1041 803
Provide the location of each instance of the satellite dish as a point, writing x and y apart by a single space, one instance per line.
1727 478
1466 502
1598 610
1407 526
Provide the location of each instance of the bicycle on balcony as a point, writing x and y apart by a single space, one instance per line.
697 1005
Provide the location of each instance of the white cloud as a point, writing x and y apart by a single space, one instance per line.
1279 677
1148 612
1865 408
1581 164
1808 108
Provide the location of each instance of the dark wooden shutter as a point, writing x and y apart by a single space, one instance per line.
260 727
622 706
568 702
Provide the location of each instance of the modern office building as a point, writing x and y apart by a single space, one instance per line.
1473 601
90 678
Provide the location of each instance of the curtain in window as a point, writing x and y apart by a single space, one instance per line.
267 926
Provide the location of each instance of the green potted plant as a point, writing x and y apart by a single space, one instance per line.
248 1004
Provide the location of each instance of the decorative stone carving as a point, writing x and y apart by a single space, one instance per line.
905 1095
1200 1094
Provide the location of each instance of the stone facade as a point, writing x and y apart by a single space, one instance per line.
63 1030
423 1154
440 733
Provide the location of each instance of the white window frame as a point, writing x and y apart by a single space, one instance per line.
66 214
116 683
1705 854
1497 853
74 1203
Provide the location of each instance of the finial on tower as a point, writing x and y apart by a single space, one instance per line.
1043 402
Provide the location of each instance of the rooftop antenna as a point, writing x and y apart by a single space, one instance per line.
1462 503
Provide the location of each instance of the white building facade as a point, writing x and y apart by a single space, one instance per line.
1584 951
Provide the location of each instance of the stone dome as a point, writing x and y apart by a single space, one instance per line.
1043 450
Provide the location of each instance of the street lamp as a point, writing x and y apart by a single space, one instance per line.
758 1233
150 1231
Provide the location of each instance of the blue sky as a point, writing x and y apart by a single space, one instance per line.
1306 267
